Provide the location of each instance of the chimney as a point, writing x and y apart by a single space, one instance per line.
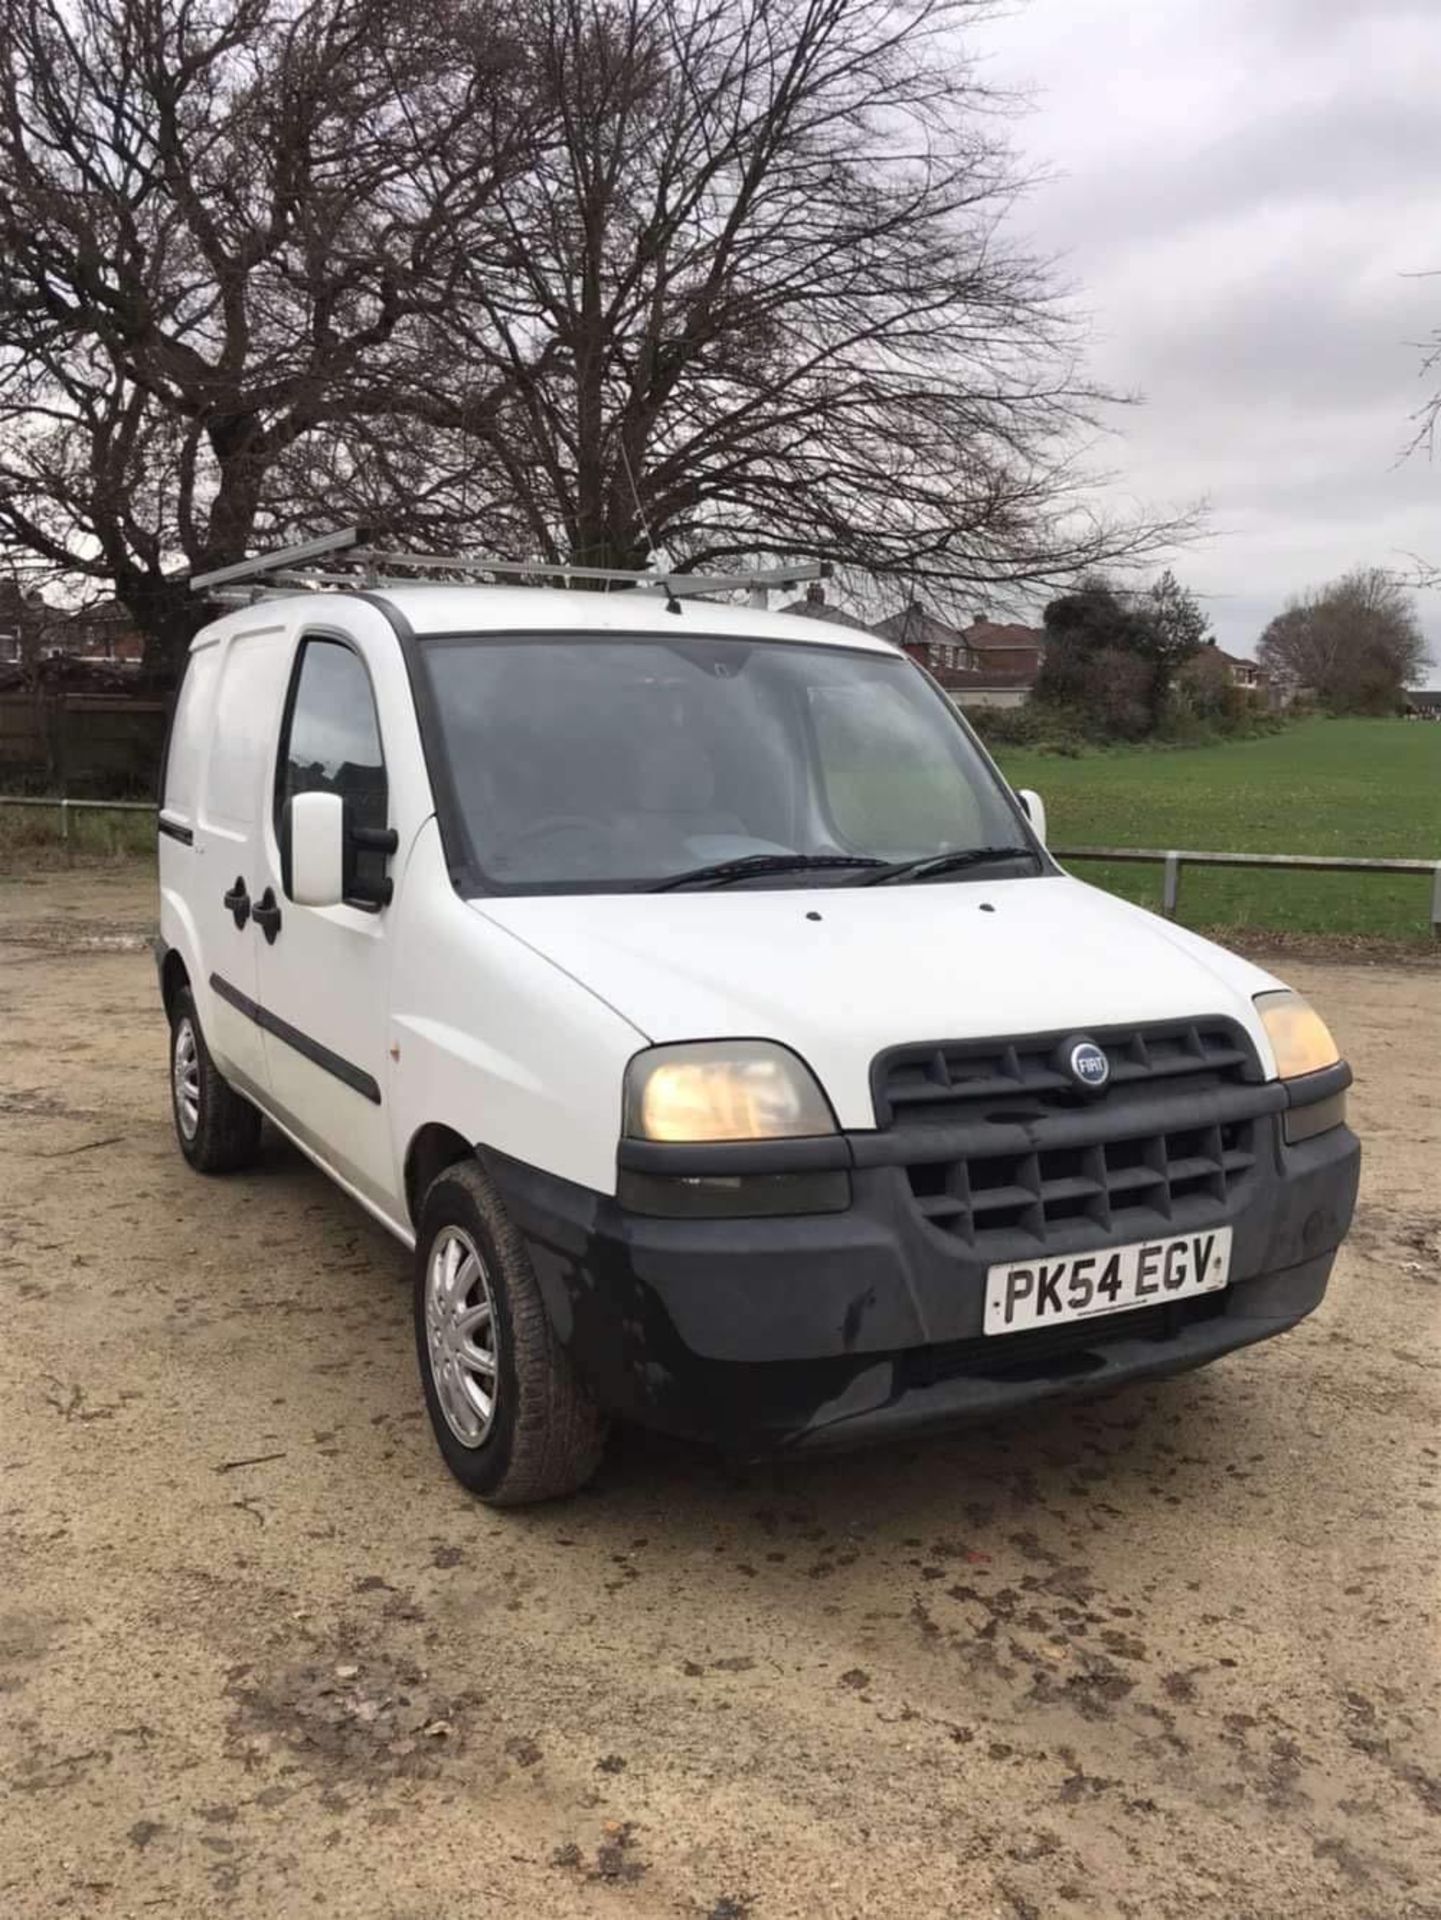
816 594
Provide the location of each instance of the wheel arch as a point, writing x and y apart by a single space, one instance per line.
432 1149
174 975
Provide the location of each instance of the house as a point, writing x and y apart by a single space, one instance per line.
815 606
1255 681
1422 703
102 632
18 611
1243 673
985 664
1210 671
1004 647
929 641
31 628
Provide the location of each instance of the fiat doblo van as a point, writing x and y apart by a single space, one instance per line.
685 985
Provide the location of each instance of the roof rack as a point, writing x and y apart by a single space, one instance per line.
291 569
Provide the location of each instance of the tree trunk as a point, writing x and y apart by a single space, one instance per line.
169 616
599 545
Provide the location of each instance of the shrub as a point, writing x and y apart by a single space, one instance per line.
1039 724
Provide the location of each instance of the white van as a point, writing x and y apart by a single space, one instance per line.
686 986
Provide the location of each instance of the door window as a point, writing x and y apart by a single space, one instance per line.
331 744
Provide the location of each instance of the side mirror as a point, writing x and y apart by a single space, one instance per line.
317 849
1035 808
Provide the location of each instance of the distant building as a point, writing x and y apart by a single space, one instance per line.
1243 673
39 638
1004 647
19 613
102 632
986 664
931 642
1423 703
1254 680
815 606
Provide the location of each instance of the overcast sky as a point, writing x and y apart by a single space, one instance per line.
1240 190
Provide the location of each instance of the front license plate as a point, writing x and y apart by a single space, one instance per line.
1082 1286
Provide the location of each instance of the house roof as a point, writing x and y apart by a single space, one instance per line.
806 609
1235 659
993 636
914 627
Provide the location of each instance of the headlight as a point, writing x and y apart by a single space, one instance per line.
1300 1038
723 1090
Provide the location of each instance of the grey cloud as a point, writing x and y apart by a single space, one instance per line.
1293 334
1341 152
1241 190
1297 22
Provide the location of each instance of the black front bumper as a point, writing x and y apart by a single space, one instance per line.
767 1333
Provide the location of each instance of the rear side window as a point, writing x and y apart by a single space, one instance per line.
187 733
331 744
246 701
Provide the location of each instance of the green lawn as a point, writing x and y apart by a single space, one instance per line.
1363 787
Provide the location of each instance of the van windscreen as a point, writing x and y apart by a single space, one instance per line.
613 763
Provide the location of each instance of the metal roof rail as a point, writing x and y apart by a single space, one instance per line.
288 569
283 557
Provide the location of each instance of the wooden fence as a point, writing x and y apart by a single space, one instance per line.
98 745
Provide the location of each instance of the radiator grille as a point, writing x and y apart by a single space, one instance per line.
997 1142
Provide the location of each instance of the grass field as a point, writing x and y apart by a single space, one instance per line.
1366 787
34 832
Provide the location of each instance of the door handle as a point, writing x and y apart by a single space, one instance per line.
266 915
237 901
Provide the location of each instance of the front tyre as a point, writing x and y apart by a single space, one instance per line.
218 1131
510 1417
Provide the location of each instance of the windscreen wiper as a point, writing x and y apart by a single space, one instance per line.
936 863
720 873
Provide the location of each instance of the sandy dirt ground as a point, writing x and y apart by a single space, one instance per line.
1175 1653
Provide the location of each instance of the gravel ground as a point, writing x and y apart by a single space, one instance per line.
1174 1653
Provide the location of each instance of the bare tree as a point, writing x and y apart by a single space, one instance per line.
758 299
1427 417
222 224
1355 645
583 278
1425 422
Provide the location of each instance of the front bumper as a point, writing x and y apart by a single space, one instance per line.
762 1334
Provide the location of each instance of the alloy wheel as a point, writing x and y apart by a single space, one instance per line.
185 1077
462 1335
